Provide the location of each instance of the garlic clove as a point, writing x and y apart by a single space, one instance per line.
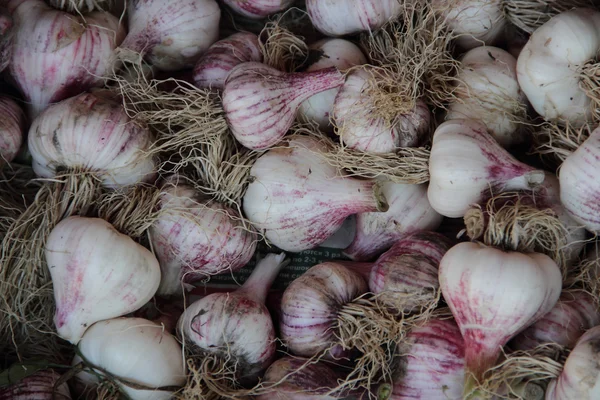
409 211
195 238
133 350
466 162
172 35
258 9
299 200
12 126
92 133
212 67
260 102
97 273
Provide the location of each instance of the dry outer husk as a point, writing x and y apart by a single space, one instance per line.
589 82
555 141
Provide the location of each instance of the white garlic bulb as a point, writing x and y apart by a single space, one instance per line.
12 124
339 53
91 133
97 273
133 350
488 91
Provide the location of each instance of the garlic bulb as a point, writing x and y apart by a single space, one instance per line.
341 17
466 162
432 364
293 378
97 273
408 211
172 35
474 22
236 325
260 102
359 126
579 188
299 200
310 307
12 125
338 53
7 33
493 296
549 65
57 55
91 133
574 313
195 238
133 350
258 8
580 377
488 91
38 386
212 67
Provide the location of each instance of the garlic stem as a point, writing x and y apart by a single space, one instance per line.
263 276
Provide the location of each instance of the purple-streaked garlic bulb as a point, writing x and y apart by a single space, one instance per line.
133 350
57 55
236 325
432 363
37 386
7 33
574 313
97 273
260 102
338 53
359 125
406 276
299 200
408 211
91 133
494 295
311 303
293 378
488 91
466 163
194 238
212 67
258 9
341 17
580 377
12 125
171 35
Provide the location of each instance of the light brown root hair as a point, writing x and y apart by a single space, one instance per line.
280 47
26 300
586 275
83 6
512 221
589 82
528 15
554 141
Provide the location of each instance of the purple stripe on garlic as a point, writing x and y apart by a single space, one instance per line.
299 200
258 8
212 68
38 386
97 273
260 102
12 125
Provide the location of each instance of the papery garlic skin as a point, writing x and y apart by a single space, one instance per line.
57 55
172 35
7 33
494 295
548 66
12 125
298 200
580 378
258 9
194 238
361 130
338 53
311 303
409 211
260 102
38 386
97 273
488 91
92 133
466 162
432 366
579 188
342 17
212 67
136 350
474 22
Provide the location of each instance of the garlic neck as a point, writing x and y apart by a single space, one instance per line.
258 284
527 181
307 84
